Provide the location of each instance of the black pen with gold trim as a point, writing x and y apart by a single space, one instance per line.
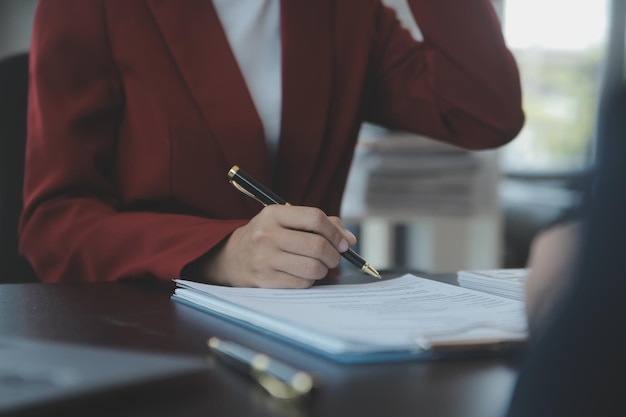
252 188
278 378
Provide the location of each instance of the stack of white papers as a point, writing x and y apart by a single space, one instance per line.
391 319
505 282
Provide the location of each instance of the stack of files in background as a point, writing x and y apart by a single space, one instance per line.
411 173
504 282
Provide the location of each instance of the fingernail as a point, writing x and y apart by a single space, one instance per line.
343 245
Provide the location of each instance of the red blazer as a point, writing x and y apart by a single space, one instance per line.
138 109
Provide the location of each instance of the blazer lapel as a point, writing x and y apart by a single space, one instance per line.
306 31
199 46
202 53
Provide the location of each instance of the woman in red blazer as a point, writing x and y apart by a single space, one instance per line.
138 109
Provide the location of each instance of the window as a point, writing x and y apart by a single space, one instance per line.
560 47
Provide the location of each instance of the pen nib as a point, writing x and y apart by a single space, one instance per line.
370 270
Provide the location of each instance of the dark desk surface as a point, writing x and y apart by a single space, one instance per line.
142 317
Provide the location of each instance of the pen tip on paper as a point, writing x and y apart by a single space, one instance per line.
370 270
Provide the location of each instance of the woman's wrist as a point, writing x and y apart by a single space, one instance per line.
210 267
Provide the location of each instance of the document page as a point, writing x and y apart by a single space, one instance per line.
509 282
381 316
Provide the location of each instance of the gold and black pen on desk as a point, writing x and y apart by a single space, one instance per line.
279 379
252 188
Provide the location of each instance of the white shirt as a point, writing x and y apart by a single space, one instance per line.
253 31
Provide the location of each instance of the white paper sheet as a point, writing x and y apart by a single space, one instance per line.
381 316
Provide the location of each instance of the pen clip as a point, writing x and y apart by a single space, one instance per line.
246 192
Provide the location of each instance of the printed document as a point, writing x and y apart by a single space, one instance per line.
386 316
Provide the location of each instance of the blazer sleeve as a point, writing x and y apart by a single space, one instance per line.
71 228
460 84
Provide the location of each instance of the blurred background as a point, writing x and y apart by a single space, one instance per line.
416 204
16 21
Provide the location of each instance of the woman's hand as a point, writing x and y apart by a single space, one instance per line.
281 247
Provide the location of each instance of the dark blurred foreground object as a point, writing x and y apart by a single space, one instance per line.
579 360
13 100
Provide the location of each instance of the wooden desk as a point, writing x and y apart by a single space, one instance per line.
142 317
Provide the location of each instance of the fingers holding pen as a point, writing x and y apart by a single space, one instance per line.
348 235
282 246
314 220
306 243
306 219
